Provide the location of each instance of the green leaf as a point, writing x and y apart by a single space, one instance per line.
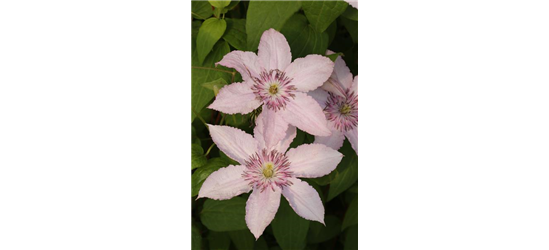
201 9
352 27
325 180
322 13
227 158
320 233
208 34
219 240
233 3
200 175
353 189
201 96
303 39
196 240
263 15
194 136
237 119
350 13
298 140
289 229
224 215
242 239
261 244
197 156
220 3
334 56
331 31
195 26
236 33
345 178
351 238
351 216
215 85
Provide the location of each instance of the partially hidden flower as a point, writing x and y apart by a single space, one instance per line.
269 171
271 79
339 99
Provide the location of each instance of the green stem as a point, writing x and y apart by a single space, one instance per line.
209 149
192 13
222 119
199 117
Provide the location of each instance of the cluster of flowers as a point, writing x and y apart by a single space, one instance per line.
313 94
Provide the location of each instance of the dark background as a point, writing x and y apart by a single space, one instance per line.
455 143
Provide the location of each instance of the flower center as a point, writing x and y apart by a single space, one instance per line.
267 169
273 88
342 111
345 109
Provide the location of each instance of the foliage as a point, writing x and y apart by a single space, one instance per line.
219 27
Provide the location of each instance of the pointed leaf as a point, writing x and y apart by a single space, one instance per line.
201 9
224 215
197 156
235 34
207 72
196 240
320 233
351 216
215 85
346 177
263 15
220 3
290 230
200 175
208 34
322 13
242 239
303 39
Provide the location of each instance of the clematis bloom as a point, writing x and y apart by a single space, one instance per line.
269 171
271 79
339 99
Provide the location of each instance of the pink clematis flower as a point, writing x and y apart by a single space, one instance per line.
339 99
271 79
267 169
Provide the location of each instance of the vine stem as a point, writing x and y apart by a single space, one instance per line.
192 13
199 117
209 149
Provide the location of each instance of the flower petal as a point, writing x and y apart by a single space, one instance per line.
261 209
352 136
310 72
274 51
320 96
235 98
306 114
354 86
283 145
334 141
313 160
342 73
234 142
225 183
246 63
304 200
270 128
